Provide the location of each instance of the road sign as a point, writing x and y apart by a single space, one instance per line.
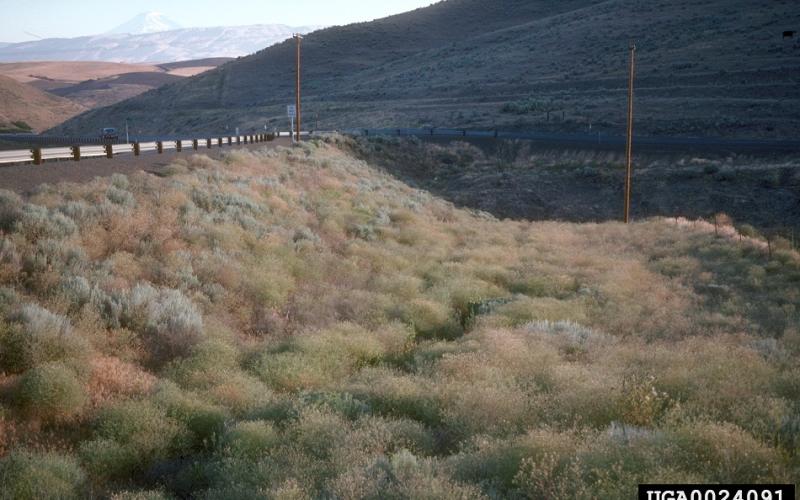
291 111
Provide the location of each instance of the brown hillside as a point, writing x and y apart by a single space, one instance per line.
707 67
97 84
40 110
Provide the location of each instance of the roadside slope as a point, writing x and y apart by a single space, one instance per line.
22 103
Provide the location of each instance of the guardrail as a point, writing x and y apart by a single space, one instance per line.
78 151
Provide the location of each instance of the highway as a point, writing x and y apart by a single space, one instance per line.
88 149
600 141
22 156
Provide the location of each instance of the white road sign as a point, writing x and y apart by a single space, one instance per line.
291 111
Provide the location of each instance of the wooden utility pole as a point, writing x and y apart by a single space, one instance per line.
298 39
629 145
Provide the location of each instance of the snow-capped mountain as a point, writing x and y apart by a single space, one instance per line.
165 46
145 23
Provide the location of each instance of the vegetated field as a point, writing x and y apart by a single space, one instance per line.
705 68
525 180
297 323
98 84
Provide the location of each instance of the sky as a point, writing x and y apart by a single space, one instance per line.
25 20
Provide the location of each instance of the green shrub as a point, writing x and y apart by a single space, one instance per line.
251 439
10 210
708 447
130 436
27 475
50 392
432 320
37 336
205 421
315 360
141 495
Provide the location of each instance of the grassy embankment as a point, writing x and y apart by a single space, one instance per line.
295 323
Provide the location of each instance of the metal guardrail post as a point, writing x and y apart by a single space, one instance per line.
245 139
194 144
109 151
178 146
208 143
230 141
160 147
219 141
137 148
76 152
37 156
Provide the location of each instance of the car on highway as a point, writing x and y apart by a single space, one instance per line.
109 134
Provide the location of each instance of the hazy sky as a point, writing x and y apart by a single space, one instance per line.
59 18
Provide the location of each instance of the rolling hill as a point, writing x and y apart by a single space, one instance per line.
96 84
23 107
707 67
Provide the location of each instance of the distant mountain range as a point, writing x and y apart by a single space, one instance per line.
146 23
151 38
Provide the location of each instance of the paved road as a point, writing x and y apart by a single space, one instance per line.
600 141
24 178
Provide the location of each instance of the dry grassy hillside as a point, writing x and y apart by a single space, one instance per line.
98 84
24 108
294 323
708 67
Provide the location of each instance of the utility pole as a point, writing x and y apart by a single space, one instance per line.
298 38
629 145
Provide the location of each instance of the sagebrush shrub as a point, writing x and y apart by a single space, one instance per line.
169 320
119 196
37 336
37 222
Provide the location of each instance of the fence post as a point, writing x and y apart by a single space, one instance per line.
160 147
178 146
109 151
194 144
76 152
137 148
